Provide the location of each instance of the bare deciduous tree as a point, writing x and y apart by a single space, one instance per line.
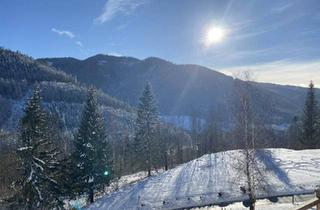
246 132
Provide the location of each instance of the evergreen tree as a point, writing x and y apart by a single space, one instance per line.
310 119
293 134
38 186
147 131
92 155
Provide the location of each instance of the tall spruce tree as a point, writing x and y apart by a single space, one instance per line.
92 155
147 130
310 119
38 186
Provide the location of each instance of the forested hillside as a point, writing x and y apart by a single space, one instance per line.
182 90
61 92
63 99
42 104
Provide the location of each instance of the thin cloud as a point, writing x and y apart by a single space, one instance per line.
287 72
242 25
113 8
63 33
82 48
256 28
232 55
281 9
79 43
266 28
283 51
71 35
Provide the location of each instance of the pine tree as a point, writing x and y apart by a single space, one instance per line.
92 155
147 131
39 165
293 134
310 119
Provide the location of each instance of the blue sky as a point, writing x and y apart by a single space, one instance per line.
279 41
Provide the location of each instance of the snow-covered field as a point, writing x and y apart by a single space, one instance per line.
199 182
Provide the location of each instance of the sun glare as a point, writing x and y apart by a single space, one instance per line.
214 35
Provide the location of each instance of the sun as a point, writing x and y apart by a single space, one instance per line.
214 35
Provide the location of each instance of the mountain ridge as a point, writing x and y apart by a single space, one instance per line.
181 89
62 94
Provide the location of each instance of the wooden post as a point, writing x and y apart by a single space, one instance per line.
292 199
317 190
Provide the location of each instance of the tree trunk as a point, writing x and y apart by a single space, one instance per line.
252 206
149 172
166 162
91 196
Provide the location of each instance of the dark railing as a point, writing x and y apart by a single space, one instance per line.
309 204
312 203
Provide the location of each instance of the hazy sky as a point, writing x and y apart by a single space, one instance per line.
278 40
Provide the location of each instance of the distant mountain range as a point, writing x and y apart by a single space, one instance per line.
181 90
62 94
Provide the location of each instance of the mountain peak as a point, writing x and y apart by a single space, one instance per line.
156 60
104 58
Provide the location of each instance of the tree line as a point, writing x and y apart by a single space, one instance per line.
48 175
304 131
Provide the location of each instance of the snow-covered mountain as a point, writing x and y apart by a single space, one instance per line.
213 179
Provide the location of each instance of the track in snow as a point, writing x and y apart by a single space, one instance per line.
198 182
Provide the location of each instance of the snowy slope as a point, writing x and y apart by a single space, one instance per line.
265 204
198 182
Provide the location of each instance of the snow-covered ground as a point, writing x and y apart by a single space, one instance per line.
199 182
284 203
130 179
